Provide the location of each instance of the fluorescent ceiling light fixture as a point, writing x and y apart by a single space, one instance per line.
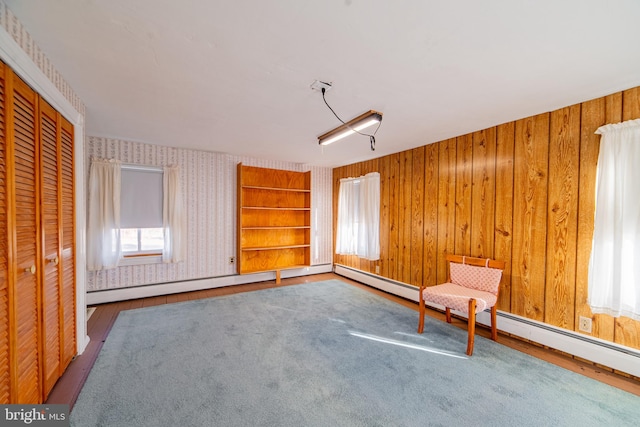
363 121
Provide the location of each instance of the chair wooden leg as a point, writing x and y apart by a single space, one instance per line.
471 326
448 314
494 323
422 311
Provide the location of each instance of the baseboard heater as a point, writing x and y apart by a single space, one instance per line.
152 290
615 356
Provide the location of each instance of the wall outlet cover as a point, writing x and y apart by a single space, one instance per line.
585 324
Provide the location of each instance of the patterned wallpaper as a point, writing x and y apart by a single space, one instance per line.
209 186
12 25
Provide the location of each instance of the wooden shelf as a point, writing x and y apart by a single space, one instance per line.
258 187
274 248
275 208
290 267
277 228
274 219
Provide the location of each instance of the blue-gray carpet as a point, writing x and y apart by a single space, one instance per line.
325 354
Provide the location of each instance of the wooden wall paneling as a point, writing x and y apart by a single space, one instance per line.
593 116
562 217
417 216
446 206
463 194
50 226
627 330
67 244
545 168
394 216
404 217
27 299
5 373
383 164
612 109
430 239
483 193
531 162
503 234
630 104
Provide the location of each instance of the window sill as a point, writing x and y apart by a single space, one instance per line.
141 260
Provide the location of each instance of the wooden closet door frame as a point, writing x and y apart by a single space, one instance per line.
8 324
15 58
39 357
11 237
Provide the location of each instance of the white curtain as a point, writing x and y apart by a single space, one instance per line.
614 267
173 217
103 234
358 228
346 241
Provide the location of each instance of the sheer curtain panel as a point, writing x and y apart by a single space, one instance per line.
103 234
173 215
347 211
358 228
614 267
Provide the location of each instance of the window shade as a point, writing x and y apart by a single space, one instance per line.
141 198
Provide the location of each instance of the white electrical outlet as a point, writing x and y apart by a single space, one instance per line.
232 260
377 269
585 324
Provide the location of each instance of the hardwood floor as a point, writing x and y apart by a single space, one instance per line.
68 387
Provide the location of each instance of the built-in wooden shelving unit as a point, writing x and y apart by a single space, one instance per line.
274 219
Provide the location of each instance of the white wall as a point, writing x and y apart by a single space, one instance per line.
209 186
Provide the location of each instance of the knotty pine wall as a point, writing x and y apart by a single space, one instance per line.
522 192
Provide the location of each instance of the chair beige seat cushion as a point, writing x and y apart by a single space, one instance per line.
457 297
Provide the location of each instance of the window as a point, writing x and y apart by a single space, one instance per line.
358 226
141 232
614 271
141 241
143 203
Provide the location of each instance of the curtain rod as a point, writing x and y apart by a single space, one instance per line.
130 166
145 168
359 177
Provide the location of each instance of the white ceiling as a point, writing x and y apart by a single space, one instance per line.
234 76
